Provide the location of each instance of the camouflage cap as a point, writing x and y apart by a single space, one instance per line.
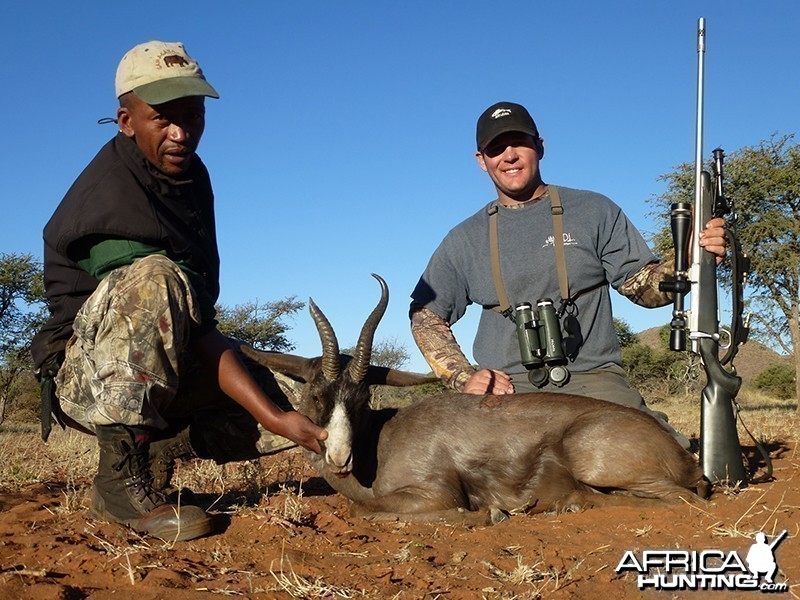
158 72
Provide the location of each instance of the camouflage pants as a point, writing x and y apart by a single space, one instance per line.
128 363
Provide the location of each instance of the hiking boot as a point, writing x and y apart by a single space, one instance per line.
123 489
163 454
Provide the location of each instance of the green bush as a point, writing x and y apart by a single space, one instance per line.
777 380
23 396
669 372
624 333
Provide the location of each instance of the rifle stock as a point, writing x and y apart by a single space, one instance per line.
720 452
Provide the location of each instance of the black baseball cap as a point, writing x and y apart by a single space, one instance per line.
502 118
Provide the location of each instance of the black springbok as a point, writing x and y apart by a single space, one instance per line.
474 459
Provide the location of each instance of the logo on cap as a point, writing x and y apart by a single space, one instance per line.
174 59
501 112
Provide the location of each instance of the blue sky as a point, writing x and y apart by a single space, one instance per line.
343 141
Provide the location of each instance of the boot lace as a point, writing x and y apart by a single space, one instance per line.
140 483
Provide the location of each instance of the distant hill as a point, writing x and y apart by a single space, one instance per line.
752 359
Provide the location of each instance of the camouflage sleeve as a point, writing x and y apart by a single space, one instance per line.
642 288
439 347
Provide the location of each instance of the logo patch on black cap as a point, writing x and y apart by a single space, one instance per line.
501 112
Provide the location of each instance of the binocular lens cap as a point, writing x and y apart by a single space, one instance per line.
559 375
538 377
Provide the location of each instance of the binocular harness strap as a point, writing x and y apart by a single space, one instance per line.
494 250
556 210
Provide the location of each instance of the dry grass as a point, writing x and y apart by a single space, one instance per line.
770 420
72 457
300 587
523 573
24 458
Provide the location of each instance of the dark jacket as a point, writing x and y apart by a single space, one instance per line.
121 195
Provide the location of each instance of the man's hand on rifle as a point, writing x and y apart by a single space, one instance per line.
712 238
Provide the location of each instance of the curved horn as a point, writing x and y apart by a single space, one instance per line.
360 363
331 367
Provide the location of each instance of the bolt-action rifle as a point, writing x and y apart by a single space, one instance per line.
720 452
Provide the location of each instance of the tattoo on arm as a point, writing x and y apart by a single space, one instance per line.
439 347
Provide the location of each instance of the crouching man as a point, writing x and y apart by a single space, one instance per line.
131 351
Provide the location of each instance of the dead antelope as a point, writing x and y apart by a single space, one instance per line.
473 459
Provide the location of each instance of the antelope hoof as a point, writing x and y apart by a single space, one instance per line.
497 515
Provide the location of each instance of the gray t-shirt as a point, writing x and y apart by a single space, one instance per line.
600 243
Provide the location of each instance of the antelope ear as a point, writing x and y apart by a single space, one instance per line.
385 376
296 367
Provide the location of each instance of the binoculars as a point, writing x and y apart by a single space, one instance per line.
540 343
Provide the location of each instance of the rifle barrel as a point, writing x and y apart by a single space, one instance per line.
698 179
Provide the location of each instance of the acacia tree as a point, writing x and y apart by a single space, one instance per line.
764 183
261 325
22 312
389 353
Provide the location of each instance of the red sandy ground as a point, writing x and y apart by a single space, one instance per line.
47 553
